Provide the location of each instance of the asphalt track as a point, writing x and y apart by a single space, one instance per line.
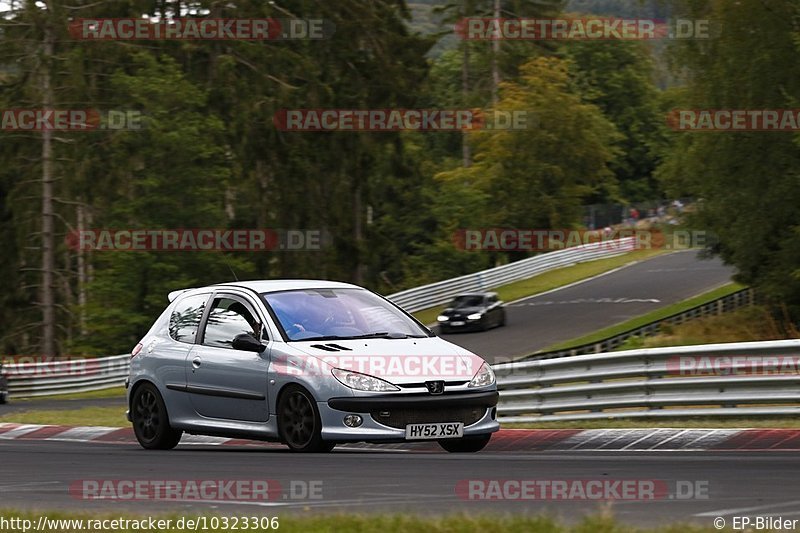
542 320
38 475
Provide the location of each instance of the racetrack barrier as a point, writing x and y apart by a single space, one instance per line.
441 292
730 379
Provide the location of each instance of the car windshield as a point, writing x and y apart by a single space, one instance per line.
339 314
470 300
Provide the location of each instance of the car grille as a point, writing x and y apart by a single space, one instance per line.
399 418
421 384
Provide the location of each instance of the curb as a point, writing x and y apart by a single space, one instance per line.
507 440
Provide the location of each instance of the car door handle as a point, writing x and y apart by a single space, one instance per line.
196 362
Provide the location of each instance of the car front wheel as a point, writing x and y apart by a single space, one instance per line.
465 444
150 420
299 422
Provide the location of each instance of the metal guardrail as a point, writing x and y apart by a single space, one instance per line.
441 292
83 375
68 376
717 306
652 383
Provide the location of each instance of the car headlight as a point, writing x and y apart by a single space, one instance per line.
442 318
358 381
484 376
474 316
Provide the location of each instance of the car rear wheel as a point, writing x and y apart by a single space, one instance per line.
3 397
465 444
299 422
150 420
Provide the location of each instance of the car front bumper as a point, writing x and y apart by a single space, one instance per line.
466 325
334 410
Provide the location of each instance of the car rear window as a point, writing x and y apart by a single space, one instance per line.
185 318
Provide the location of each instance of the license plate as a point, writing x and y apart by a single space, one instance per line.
443 430
457 323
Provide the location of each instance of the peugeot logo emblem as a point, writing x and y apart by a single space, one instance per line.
435 387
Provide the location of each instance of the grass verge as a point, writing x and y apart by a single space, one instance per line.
552 280
751 323
85 416
377 523
642 320
115 392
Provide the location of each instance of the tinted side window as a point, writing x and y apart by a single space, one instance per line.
186 318
227 319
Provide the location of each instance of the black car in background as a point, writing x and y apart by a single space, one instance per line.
472 312
3 386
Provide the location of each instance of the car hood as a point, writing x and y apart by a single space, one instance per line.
399 361
463 310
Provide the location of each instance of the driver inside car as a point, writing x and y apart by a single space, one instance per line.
242 311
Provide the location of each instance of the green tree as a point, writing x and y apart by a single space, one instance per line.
617 76
538 177
746 181
165 175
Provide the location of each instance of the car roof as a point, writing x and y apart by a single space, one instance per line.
272 285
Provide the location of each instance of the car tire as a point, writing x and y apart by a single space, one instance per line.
502 319
151 421
465 444
299 423
3 397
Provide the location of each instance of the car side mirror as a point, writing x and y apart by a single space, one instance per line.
247 343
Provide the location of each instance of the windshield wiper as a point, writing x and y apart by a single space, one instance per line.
376 335
387 335
323 338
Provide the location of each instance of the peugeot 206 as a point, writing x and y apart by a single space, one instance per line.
307 363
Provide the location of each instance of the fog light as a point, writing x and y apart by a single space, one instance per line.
353 421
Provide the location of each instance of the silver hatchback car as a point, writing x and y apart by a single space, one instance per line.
307 363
